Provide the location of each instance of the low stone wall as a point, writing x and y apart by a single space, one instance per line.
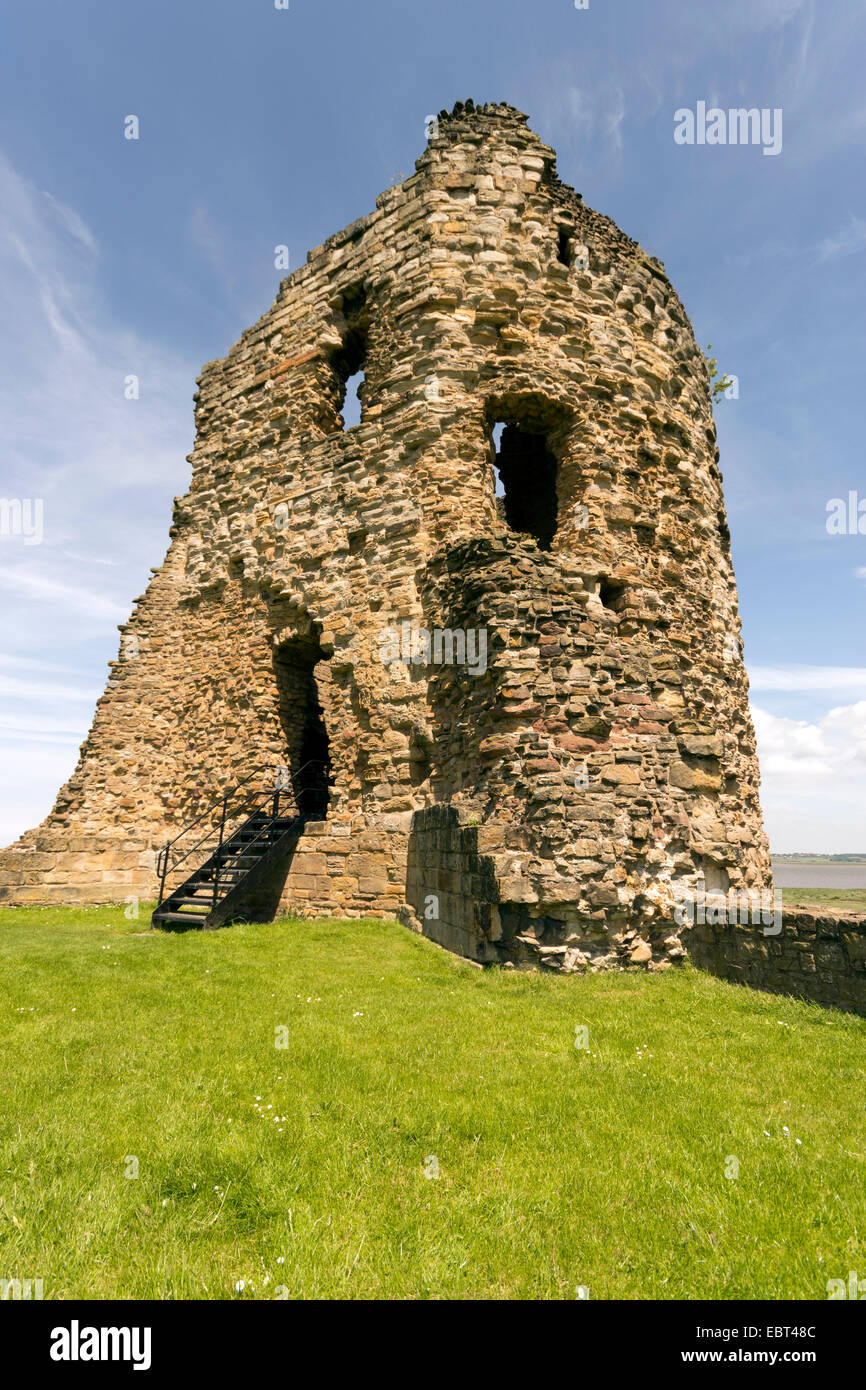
48 868
347 870
451 889
816 956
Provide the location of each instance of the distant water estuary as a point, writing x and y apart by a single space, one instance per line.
819 875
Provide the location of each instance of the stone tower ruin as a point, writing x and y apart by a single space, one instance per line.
529 697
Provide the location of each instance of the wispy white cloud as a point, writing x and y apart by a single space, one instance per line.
30 584
15 661
48 690
846 242
585 120
778 251
797 677
71 435
88 559
67 727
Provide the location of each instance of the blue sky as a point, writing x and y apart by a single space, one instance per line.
261 127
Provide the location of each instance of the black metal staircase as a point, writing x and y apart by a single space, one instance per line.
248 833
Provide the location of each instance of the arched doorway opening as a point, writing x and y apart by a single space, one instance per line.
302 717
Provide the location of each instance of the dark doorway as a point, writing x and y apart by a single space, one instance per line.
315 760
303 722
526 470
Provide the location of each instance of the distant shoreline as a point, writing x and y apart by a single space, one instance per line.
818 858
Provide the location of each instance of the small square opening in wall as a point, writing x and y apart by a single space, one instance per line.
612 593
565 247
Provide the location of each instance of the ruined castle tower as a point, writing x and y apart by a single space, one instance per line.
531 696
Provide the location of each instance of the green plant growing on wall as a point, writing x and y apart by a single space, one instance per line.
719 384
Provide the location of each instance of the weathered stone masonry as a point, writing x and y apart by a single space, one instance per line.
555 801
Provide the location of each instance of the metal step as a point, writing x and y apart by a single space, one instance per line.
191 917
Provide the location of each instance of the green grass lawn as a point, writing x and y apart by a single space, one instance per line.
825 899
305 1169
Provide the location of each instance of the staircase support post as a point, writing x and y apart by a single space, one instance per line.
219 860
162 870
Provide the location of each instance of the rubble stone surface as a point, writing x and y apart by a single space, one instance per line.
542 800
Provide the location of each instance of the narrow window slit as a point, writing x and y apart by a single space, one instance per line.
350 360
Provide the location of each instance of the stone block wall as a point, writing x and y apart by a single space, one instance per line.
451 890
818 956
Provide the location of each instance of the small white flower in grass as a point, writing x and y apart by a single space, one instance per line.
240 1286
785 1129
281 1259
767 1133
798 1141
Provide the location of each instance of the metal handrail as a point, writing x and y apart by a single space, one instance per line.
264 767
240 810
163 867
